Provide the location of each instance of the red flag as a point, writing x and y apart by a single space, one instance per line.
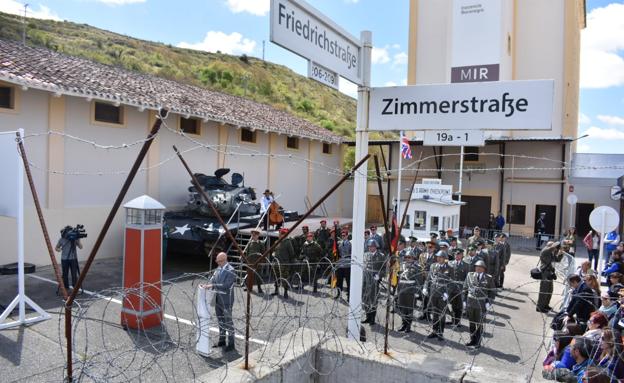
395 234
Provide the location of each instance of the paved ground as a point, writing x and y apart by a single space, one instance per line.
105 352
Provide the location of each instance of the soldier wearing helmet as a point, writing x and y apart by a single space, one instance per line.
436 288
374 270
478 294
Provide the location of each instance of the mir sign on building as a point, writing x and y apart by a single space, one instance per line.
481 40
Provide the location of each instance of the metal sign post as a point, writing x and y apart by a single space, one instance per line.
359 190
603 219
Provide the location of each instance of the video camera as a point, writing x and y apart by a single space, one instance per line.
73 233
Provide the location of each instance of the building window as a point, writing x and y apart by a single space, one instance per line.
292 142
327 148
108 113
190 125
434 224
471 153
420 219
247 135
516 214
7 97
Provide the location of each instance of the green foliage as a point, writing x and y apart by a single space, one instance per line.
238 75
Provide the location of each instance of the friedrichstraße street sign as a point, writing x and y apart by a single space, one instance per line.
454 138
300 28
322 75
500 105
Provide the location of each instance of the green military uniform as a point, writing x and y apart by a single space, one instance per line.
374 271
492 261
253 252
322 236
436 288
311 255
548 256
478 293
284 256
504 249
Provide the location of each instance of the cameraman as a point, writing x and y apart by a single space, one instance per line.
69 258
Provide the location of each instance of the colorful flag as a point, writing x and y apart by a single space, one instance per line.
335 256
406 151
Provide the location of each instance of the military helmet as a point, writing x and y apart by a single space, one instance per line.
480 263
372 242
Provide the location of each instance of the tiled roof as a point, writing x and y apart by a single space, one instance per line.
43 69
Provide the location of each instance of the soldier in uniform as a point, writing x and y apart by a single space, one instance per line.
492 260
479 292
476 236
374 271
284 256
436 288
322 237
504 250
300 239
550 254
471 258
254 250
377 237
459 271
426 259
343 267
408 288
310 256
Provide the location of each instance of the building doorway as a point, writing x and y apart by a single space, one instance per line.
583 210
476 211
551 213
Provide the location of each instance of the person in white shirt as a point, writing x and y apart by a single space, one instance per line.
265 202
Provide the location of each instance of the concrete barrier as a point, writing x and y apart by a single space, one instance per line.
304 357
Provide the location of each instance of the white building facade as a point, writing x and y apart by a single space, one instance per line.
71 109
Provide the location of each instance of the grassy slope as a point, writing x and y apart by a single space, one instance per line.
243 76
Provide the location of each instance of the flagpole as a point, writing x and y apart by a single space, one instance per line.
398 204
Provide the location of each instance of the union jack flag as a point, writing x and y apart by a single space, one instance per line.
406 151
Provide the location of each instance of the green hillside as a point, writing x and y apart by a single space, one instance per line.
238 75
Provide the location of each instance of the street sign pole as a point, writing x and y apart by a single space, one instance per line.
603 224
359 191
461 172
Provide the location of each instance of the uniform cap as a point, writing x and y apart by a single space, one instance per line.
501 235
443 244
267 191
452 239
305 227
283 230
255 231
458 251
472 248
480 263
476 228
442 253
323 221
433 234
372 242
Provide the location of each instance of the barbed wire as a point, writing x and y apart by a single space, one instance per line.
106 352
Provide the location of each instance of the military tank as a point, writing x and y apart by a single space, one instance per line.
196 230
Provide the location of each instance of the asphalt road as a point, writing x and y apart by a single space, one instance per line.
515 340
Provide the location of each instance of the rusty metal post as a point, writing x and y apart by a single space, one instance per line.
162 113
201 191
411 191
270 250
390 248
44 229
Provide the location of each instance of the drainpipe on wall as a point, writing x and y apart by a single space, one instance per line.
563 183
501 150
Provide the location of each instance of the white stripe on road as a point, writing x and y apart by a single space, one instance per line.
167 316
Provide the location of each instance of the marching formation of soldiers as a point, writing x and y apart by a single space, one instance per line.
437 278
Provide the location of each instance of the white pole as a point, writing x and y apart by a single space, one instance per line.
359 191
603 236
20 237
398 209
461 171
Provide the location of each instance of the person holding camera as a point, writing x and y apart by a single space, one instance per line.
67 245
552 253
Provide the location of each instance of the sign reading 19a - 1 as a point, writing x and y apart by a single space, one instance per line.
298 27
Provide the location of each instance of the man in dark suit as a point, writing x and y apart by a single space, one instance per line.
221 282
582 302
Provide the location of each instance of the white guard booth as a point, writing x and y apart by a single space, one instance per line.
205 305
431 208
